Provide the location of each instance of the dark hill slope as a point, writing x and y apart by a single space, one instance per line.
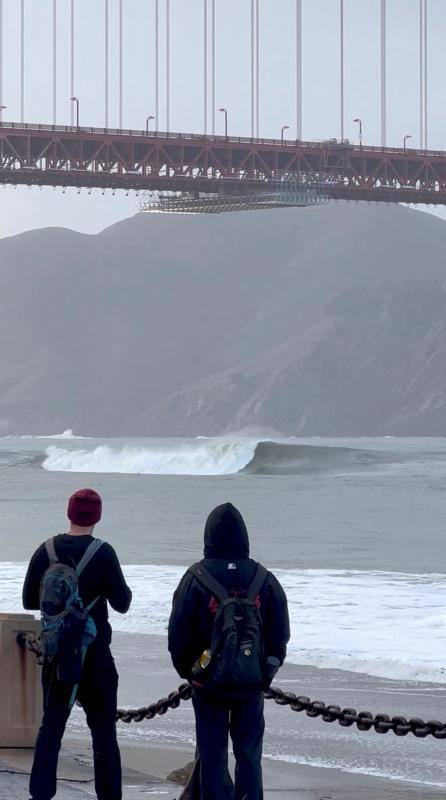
323 321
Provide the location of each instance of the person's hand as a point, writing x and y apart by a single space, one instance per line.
271 668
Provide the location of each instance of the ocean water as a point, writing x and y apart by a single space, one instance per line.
353 528
388 625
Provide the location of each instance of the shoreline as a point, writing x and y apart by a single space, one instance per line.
145 767
154 762
344 758
305 750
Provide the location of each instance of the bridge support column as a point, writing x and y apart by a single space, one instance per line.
20 691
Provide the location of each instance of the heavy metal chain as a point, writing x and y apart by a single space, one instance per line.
149 712
364 720
346 717
28 641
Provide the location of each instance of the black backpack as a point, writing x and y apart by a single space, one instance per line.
237 651
67 626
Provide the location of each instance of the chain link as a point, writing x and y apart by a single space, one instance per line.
31 642
346 717
161 707
364 720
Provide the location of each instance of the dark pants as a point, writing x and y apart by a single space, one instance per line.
243 719
98 695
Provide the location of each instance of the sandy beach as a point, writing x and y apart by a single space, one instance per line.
145 768
304 758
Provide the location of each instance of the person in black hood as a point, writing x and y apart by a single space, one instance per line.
220 709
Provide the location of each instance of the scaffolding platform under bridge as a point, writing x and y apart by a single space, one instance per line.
286 192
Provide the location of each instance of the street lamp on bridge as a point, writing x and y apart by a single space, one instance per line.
359 121
225 112
407 136
282 131
2 109
148 122
76 100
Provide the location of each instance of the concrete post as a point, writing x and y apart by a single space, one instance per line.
20 689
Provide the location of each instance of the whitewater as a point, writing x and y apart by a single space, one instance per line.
217 458
389 625
210 457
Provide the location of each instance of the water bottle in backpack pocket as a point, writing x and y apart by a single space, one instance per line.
237 651
67 626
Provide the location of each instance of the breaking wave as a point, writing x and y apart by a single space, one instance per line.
218 458
210 457
276 458
68 434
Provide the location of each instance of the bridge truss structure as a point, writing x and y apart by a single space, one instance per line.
215 166
288 191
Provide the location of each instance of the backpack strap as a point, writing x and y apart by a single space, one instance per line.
51 551
88 555
73 695
93 603
257 582
208 581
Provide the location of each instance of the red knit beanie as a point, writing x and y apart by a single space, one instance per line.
84 508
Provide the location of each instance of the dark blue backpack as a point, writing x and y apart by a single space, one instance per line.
237 650
67 626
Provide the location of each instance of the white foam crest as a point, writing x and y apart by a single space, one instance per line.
390 625
210 458
68 434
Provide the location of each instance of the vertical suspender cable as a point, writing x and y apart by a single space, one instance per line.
252 71
72 61
1 59
55 62
383 75
299 69
421 77
426 143
342 67
167 65
106 44
22 61
257 70
205 66
120 64
213 66
157 64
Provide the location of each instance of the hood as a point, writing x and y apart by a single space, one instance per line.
225 534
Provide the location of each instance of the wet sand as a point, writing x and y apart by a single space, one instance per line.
145 768
321 758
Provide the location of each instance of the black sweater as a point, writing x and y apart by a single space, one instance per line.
102 577
193 612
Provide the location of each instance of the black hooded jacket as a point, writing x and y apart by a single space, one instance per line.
226 556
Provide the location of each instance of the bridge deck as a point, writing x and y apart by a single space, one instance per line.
48 155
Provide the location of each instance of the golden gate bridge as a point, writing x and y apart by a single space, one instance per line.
206 171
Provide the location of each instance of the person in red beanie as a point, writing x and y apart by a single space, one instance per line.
101 578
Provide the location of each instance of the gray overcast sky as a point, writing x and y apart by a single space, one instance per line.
22 208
